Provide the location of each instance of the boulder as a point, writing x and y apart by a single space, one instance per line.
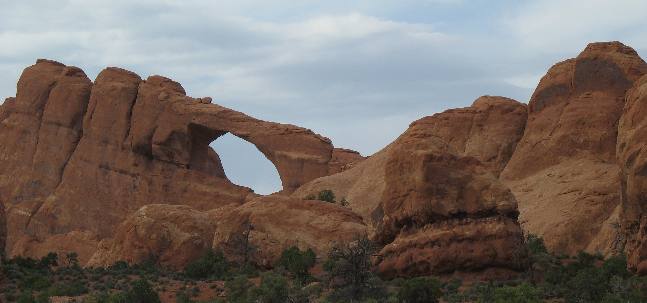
267 225
170 235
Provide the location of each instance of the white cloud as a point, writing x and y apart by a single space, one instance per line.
564 25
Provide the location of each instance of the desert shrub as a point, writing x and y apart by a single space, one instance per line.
588 285
535 245
49 261
343 202
273 289
72 260
34 281
524 293
616 266
298 262
75 288
481 293
326 195
210 265
26 297
119 267
420 290
142 292
104 297
238 289
349 269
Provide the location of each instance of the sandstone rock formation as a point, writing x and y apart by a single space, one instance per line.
83 156
275 223
171 235
564 172
121 169
433 193
343 159
3 231
632 157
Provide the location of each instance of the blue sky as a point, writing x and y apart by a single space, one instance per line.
357 72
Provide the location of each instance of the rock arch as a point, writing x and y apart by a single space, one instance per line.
185 127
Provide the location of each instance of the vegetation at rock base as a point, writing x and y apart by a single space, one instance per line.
348 276
211 265
298 263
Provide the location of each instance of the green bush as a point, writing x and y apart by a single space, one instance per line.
238 289
142 292
535 245
35 281
298 262
420 290
49 261
588 285
349 270
72 289
273 289
326 195
210 265
616 266
524 293
26 297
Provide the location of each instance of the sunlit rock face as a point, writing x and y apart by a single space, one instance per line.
83 155
121 169
632 157
432 198
564 172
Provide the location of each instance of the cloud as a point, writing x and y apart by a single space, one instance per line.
558 26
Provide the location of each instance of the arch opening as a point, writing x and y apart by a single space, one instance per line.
245 165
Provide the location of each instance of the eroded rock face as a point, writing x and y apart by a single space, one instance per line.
3 231
487 131
564 172
444 212
432 193
632 157
171 235
495 126
343 159
86 155
277 222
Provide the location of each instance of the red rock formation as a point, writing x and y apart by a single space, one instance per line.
276 222
496 123
432 193
564 172
85 156
444 212
632 157
3 231
171 235
487 131
343 159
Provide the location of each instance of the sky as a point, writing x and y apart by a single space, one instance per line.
357 72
